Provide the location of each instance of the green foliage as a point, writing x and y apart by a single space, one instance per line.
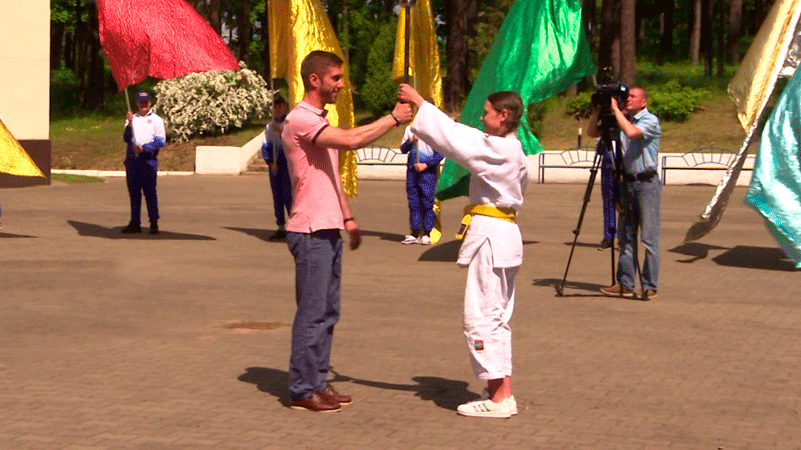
379 92
211 102
490 18
63 92
672 102
536 117
578 106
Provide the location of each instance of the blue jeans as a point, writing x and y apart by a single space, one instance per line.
641 201
318 277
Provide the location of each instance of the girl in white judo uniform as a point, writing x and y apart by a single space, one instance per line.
492 249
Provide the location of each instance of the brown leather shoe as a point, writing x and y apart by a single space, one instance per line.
617 290
316 403
330 394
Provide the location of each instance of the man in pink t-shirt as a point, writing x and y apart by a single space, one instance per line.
319 210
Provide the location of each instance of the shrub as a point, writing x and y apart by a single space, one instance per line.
211 102
670 102
379 92
536 116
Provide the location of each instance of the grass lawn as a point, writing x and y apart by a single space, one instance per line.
95 142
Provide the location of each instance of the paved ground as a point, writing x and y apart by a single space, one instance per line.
113 342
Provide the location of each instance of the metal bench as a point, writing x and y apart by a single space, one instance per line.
704 158
376 154
576 158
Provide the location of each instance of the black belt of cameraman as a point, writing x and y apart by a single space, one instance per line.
642 176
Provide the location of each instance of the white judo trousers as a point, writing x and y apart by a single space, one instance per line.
489 300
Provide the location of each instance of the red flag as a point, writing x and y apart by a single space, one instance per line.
158 38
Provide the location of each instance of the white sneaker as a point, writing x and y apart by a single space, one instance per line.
485 408
409 239
511 400
425 240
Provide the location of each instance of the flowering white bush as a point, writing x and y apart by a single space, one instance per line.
211 102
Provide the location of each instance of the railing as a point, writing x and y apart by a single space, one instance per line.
704 158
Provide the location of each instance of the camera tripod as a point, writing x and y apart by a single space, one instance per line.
607 143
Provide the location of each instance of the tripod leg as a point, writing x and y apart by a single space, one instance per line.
596 163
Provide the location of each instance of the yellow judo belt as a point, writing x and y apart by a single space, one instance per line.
507 214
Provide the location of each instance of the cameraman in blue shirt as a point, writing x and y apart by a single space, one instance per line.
641 190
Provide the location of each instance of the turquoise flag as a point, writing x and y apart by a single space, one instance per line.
775 190
539 51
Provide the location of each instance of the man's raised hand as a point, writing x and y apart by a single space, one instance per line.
408 94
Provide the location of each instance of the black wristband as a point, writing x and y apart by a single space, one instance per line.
397 122
348 219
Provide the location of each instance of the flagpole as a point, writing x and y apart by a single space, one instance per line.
127 100
407 36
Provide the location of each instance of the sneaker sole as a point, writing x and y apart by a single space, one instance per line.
489 414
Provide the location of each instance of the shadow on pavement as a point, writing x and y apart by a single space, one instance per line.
695 250
9 235
755 258
583 244
259 233
447 394
394 237
442 252
449 251
592 289
92 230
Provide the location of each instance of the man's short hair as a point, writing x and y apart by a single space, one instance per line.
644 91
317 62
511 102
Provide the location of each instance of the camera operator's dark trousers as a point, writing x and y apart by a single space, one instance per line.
609 191
318 277
141 178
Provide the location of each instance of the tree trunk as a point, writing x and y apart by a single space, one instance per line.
590 23
628 46
56 42
93 95
706 35
266 69
720 35
69 51
666 38
695 34
461 18
345 30
243 31
215 16
608 51
735 31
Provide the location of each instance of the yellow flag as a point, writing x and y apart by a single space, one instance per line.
754 79
424 70
423 52
298 27
14 159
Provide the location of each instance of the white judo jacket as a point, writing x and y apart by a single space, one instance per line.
499 174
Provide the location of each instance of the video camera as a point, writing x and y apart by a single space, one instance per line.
604 92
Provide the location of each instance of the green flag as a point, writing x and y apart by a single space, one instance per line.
539 51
